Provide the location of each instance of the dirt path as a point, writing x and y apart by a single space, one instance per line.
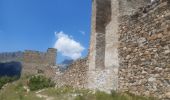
38 94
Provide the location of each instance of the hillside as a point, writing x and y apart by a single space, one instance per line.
19 91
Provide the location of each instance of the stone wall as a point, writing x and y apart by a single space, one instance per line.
100 73
129 50
144 51
75 75
44 58
103 56
38 62
128 7
33 62
129 47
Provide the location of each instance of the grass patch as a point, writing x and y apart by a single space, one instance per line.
4 80
17 91
113 96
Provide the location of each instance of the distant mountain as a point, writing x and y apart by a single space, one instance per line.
67 62
11 56
64 64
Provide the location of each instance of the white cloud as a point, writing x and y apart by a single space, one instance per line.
66 45
82 32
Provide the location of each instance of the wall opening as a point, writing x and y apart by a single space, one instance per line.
103 17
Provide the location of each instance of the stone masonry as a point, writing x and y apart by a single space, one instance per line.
144 51
75 75
33 62
103 56
99 55
129 50
130 47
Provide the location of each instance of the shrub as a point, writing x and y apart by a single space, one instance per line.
39 82
4 80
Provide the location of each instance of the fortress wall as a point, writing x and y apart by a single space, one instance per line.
75 75
103 17
103 76
100 77
35 62
128 7
34 57
111 54
144 51
103 56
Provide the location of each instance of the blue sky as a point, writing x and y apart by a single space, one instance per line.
36 25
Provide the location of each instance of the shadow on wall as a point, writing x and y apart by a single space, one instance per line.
10 69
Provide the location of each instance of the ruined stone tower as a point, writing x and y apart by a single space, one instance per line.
51 56
103 57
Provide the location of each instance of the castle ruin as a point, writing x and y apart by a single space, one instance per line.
33 62
39 62
104 56
129 49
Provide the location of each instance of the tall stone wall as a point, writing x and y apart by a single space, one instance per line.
100 73
144 51
129 47
103 56
38 62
